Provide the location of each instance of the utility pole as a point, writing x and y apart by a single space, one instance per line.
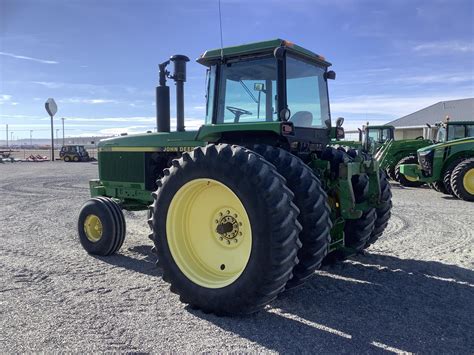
57 136
31 137
11 138
51 108
62 119
7 135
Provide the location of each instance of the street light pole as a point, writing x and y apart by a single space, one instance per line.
31 137
11 138
57 136
7 135
62 119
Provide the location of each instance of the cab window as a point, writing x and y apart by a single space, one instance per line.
306 92
456 132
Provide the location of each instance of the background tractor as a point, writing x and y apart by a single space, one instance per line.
252 202
74 153
448 166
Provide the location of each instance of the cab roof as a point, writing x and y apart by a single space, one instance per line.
214 55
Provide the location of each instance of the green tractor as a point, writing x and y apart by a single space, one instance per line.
255 200
379 140
447 166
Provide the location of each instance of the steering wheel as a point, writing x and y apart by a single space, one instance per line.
238 112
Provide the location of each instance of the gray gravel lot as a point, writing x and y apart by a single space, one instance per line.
413 291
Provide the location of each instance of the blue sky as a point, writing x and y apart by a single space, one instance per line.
99 59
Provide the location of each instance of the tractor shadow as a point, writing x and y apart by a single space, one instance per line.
371 304
141 260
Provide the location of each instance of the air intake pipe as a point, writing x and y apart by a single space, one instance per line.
163 101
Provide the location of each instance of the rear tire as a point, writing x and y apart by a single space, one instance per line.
462 180
314 215
101 226
196 189
402 179
75 158
383 212
67 158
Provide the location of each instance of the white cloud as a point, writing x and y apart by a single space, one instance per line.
78 100
443 47
386 105
7 100
44 61
445 78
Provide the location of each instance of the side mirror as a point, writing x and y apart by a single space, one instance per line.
259 87
339 122
331 74
340 134
328 123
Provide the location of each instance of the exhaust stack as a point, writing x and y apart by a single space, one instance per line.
179 76
163 94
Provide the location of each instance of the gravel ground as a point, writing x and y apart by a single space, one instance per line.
413 291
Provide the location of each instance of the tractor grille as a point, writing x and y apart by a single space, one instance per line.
426 163
122 166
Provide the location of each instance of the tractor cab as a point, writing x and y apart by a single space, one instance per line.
449 130
272 90
374 136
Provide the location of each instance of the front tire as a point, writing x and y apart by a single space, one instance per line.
462 180
225 229
314 217
101 226
405 180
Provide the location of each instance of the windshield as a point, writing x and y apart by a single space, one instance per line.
247 90
306 91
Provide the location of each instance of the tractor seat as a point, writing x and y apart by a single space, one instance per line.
302 119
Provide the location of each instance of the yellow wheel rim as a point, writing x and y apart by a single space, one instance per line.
410 178
468 181
93 228
208 233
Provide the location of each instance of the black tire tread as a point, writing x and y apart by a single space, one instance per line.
383 212
457 179
314 215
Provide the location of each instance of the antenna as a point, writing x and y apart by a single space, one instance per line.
220 23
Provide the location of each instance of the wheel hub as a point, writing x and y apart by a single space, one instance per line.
227 227
93 228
